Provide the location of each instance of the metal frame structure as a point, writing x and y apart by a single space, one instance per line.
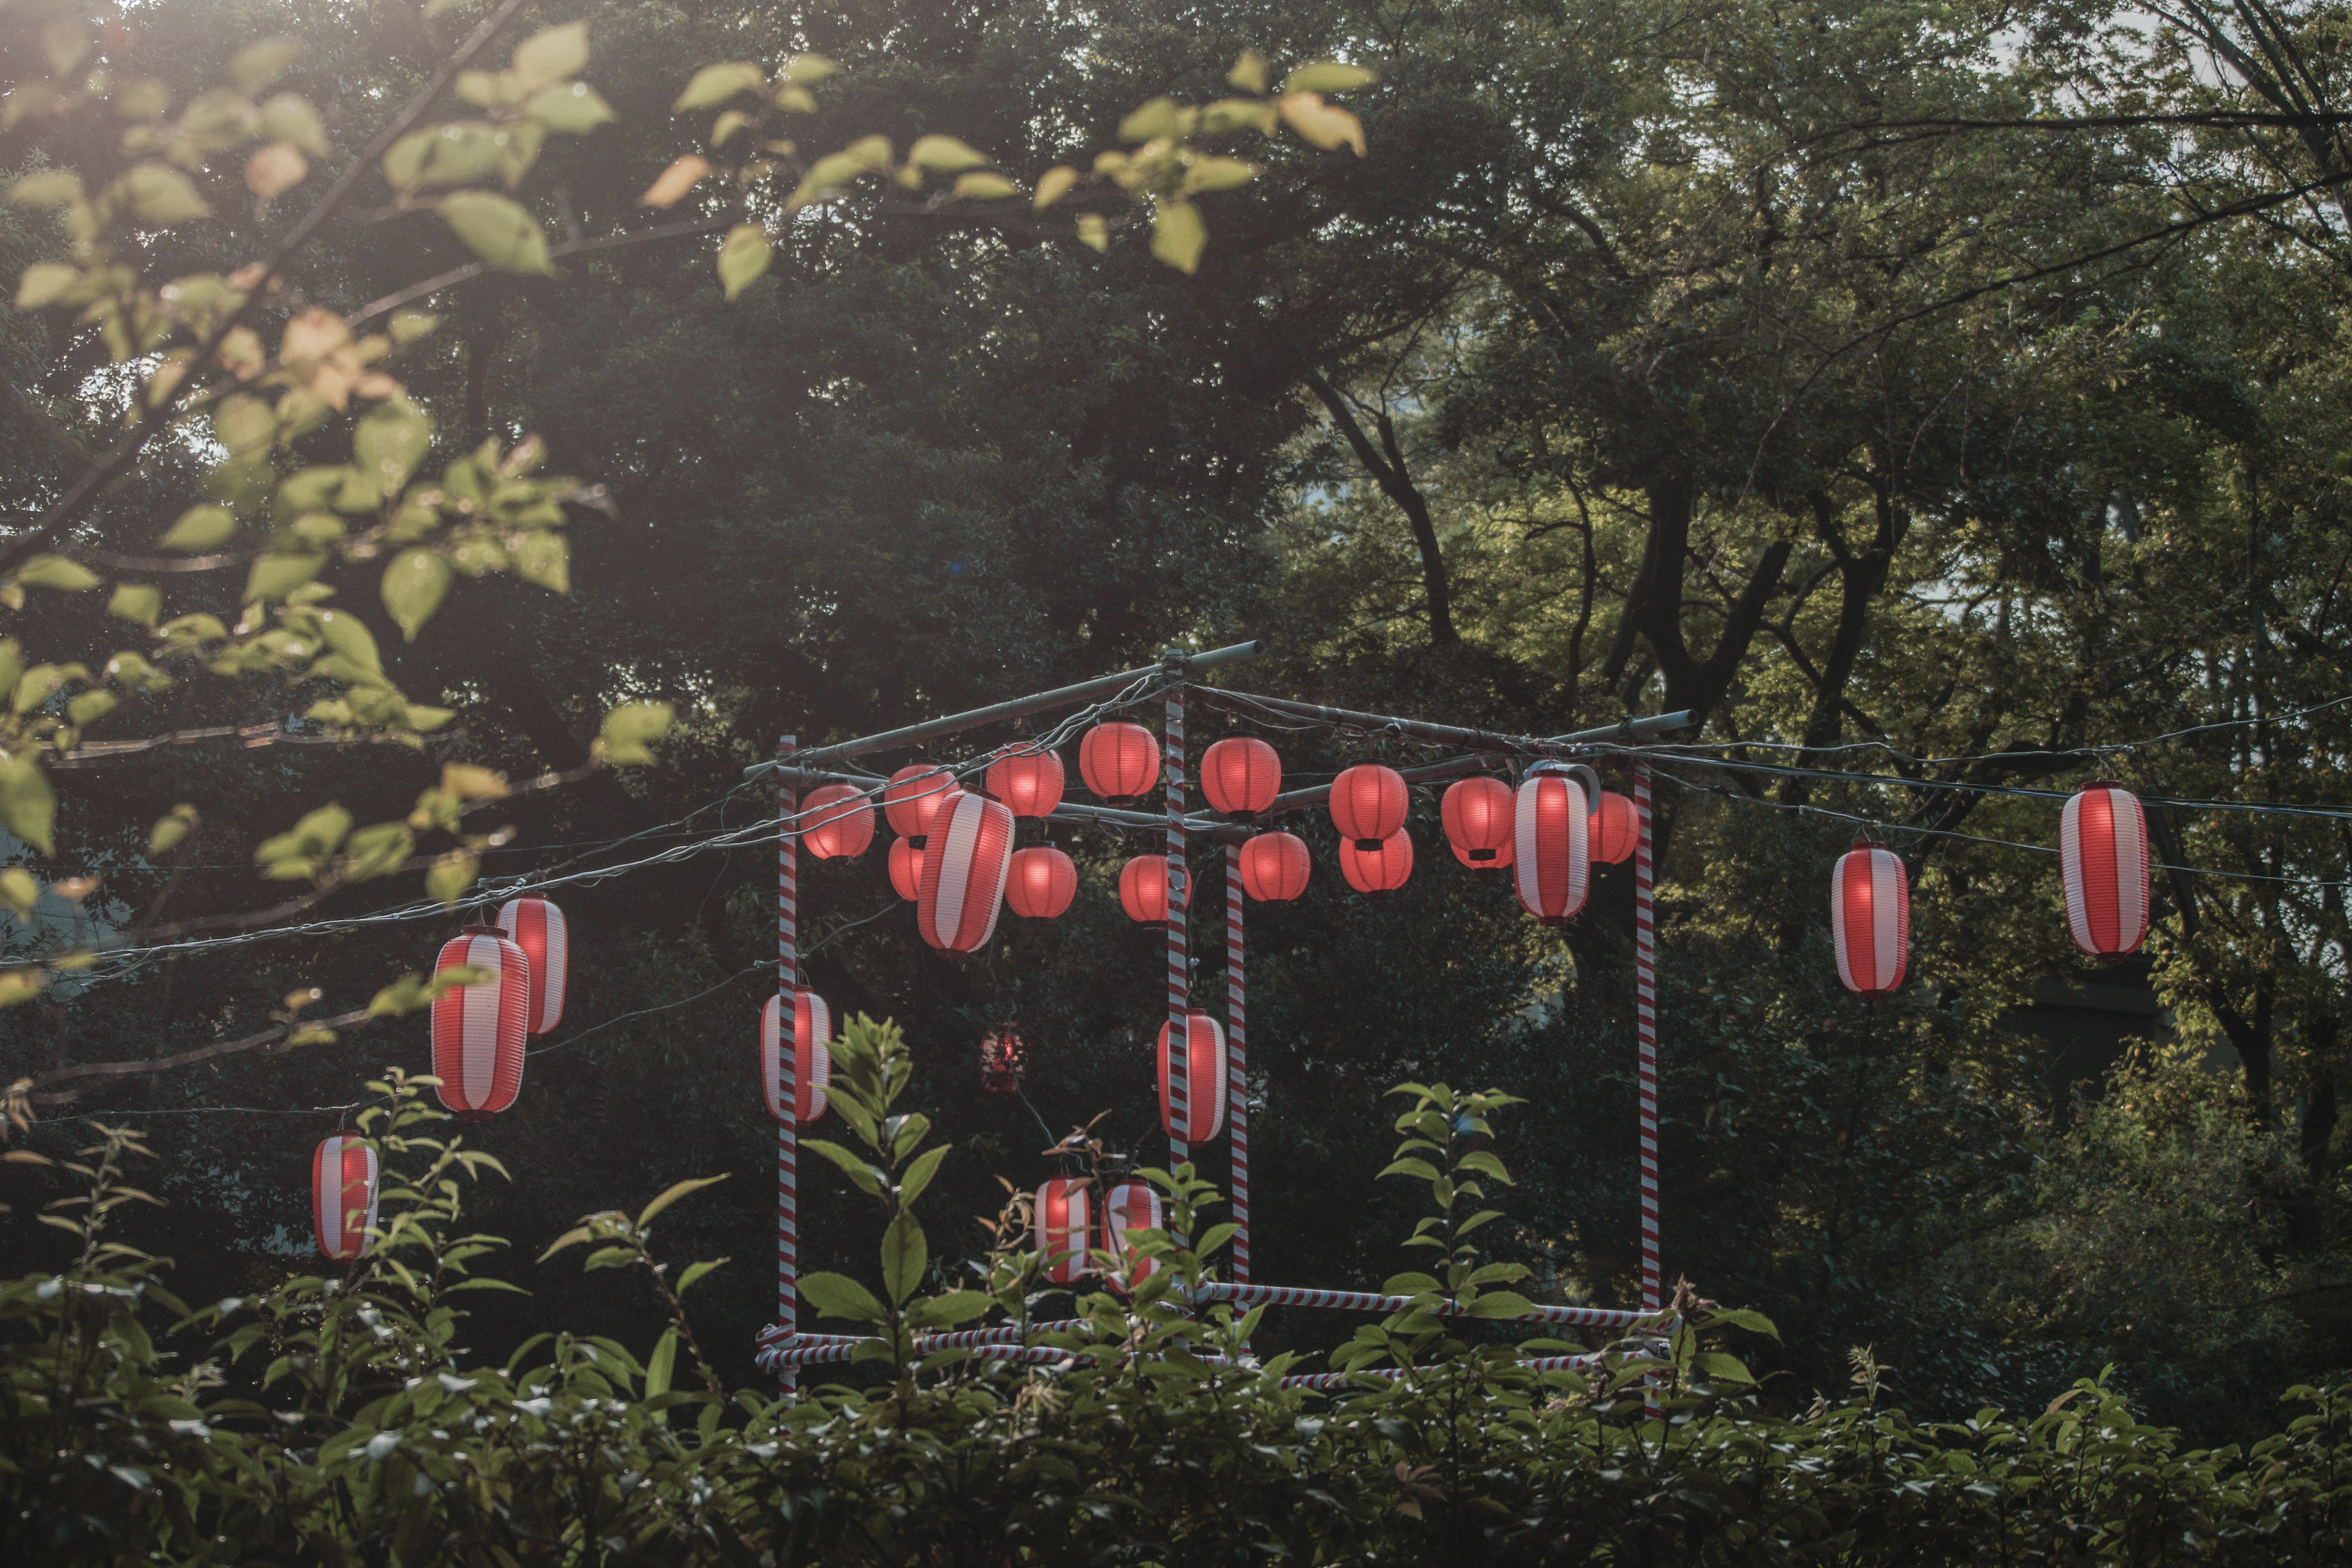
784 1349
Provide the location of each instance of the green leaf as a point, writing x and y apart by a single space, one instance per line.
378 850
1328 76
136 602
90 708
158 193
414 586
1484 1161
676 1191
544 558
1501 1304
27 806
290 119
391 442
57 571
624 738
1409 1166
1178 234
944 155
451 876
1724 1368
868 1178
19 890
1248 74
695 1271
919 1173
905 1256
44 283
838 1296
498 230
714 85
1409 1285
981 186
573 108
1158 118
935 1312
171 829
50 188
1741 1318
276 574
743 257
659 1365
552 55
256 66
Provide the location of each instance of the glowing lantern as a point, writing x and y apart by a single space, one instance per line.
836 821
964 868
1613 829
536 926
1118 761
1002 1059
1274 868
2103 858
906 868
1028 782
1241 776
343 1174
812 1062
1550 869
913 793
1477 816
1203 1081
478 1029
1143 889
1041 882
1130 1205
1382 868
1368 803
1063 1219
1870 920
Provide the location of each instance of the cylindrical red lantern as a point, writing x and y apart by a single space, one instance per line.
1477 816
478 1029
1002 1057
1274 868
1143 889
1061 1228
965 865
1870 919
906 868
1550 853
1130 1205
1118 761
2103 858
1379 870
1203 1067
1041 882
913 793
1241 776
1368 803
343 1174
1613 831
1028 782
836 821
812 1061
536 927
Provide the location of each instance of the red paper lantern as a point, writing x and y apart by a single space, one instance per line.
1549 863
478 1029
1002 1059
1041 882
1274 868
1203 1082
1118 761
1061 1228
1368 803
1382 868
1870 920
1476 812
2103 858
1028 782
1241 776
913 793
344 1173
1143 889
1130 1205
536 927
836 821
1613 829
964 868
906 868
812 1061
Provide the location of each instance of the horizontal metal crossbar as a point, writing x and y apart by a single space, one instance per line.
1371 1301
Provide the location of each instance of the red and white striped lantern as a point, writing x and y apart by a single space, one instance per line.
906 867
1028 782
812 1061
344 1177
1368 803
1550 867
969 855
1143 889
1118 761
836 821
1203 1067
1870 919
1382 868
1062 1228
2103 856
478 1029
1274 868
1131 1205
1476 812
1241 776
536 927
1040 883
913 793
1613 831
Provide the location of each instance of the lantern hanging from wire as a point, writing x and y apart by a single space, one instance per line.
536 927
1382 868
1118 761
2103 858
1870 919
478 1029
1061 1228
836 821
1143 889
1004 1057
1202 1077
906 868
1028 782
1130 1205
812 1055
1549 852
965 863
1614 830
1477 812
913 793
1274 868
344 1177
1241 776
1368 804
1040 882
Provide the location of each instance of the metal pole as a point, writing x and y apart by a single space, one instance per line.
1179 1042
1245 702
1237 1061
788 964
1646 1003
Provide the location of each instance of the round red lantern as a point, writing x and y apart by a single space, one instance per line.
836 821
1241 776
1870 919
1613 831
2103 858
1028 782
1002 1057
1382 868
536 926
1550 853
1143 889
478 1029
964 868
906 868
1274 867
1368 803
1040 883
913 793
1061 1221
1118 761
812 1061
343 1174
1476 812
1130 1205
1203 1080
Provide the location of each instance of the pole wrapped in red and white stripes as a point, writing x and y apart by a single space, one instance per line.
965 863
344 1177
2103 858
785 1079
1870 920
1645 1029
1246 1295
1237 1059
1175 1111
478 1030
536 927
